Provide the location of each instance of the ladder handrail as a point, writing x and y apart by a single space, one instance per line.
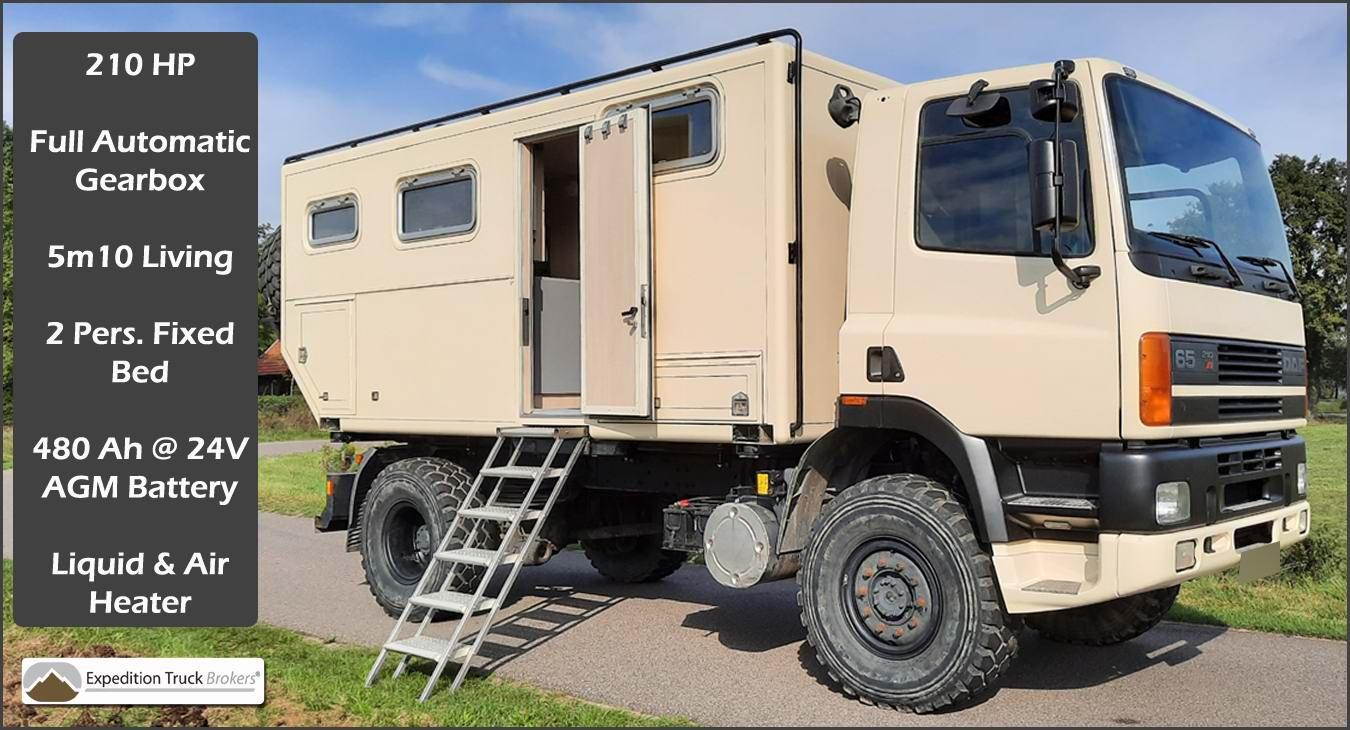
491 568
445 543
453 647
529 543
426 575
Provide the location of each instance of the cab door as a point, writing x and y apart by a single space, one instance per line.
616 240
986 329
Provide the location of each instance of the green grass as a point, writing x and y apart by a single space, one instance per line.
308 683
266 434
286 418
292 484
1303 605
9 447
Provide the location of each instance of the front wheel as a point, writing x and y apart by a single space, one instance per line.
1104 624
899 600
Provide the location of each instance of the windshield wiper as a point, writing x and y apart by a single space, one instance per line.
1199 242
1265 262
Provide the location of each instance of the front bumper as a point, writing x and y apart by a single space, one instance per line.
1045 575
1229 478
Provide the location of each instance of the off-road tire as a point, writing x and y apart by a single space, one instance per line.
636 559
640 560
1104 624
435 489
915 521
269 274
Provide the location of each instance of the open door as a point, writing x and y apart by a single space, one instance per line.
616 245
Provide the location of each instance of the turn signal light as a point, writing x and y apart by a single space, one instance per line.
330 487
1155 379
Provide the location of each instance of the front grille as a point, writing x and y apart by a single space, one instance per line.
1240 363
1250 408
1250 461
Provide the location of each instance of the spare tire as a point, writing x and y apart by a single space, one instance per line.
1104 624
269 274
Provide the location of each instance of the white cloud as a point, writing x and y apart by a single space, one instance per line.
294 118
429 17
466 80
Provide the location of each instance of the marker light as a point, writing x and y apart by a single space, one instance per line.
1155 379
1303 479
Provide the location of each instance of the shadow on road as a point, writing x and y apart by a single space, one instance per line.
766 619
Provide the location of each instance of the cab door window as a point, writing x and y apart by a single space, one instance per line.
974 184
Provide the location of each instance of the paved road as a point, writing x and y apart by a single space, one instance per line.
687 646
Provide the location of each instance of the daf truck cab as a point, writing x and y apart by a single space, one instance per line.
1073 283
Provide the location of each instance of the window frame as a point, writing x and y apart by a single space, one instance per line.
425 180
688 95
328 205
1005 130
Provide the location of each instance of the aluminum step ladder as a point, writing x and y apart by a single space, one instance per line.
546 483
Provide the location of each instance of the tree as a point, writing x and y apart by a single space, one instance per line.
9 272
1312 197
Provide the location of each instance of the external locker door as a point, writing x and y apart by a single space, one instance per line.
616 240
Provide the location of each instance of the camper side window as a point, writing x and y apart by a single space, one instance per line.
437 204
684 130
333 220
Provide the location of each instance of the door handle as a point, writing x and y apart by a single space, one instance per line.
629 313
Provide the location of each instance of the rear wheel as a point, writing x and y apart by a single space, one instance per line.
1104 624
632 558
409 508
899 600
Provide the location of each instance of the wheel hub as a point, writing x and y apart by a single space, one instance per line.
893 600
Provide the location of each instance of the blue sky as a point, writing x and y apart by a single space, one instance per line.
332 72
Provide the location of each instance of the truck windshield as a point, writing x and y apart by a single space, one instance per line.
1189 172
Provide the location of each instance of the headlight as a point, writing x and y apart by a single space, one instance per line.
1173 503
1303 479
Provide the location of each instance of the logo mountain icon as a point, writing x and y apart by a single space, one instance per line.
51 682
52 688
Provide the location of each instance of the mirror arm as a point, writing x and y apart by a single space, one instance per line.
1079 277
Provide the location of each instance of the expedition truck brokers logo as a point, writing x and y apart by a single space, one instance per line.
51 681
141 681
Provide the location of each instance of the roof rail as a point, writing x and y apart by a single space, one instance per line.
758 39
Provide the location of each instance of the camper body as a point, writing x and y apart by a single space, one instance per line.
481 326
957 354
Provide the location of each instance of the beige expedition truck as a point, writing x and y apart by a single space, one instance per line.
1018 346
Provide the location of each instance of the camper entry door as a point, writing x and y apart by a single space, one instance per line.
616 265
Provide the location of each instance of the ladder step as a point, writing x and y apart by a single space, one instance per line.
521 472
474 556
427 647
500 513
543 432
452 601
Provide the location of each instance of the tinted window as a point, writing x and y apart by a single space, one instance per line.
681 132
438 208
974 181
973 196
332 225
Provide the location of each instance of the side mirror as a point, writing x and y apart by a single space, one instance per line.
845 108
1043 101
981 109
1047 208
